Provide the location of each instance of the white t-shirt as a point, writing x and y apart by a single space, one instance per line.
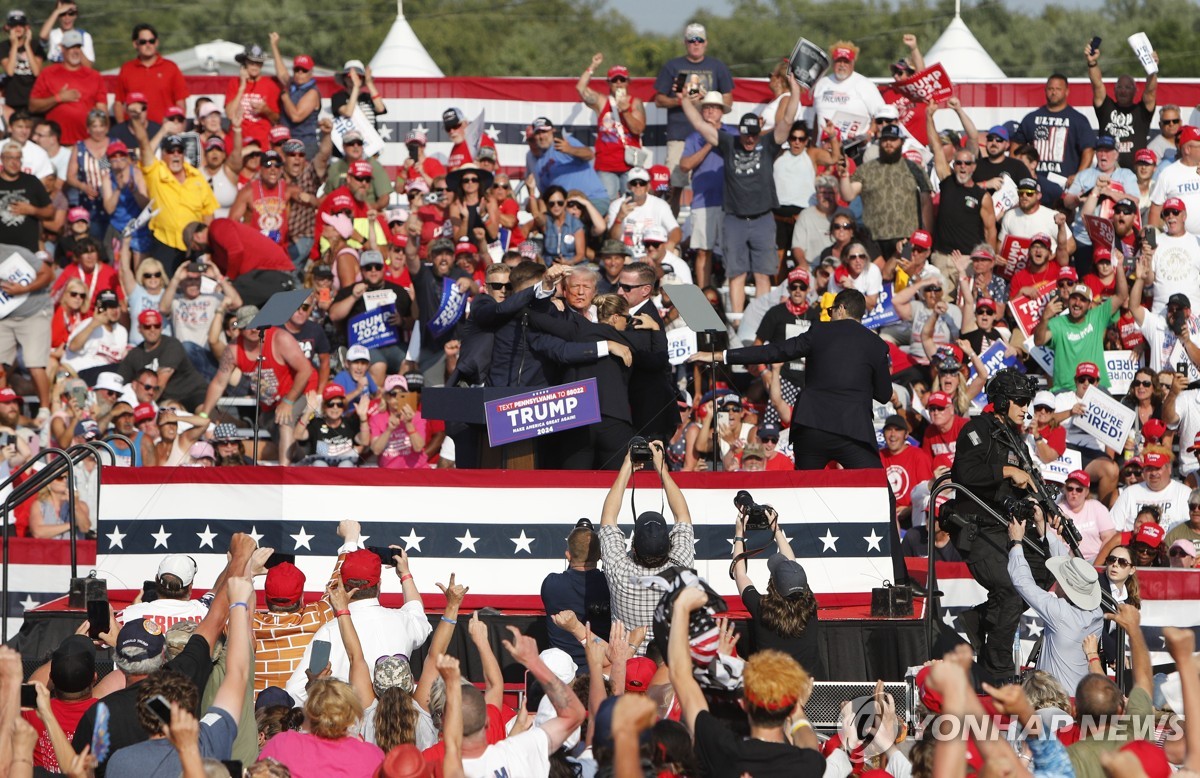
811 233
35 161
653 212
61 161
54 45
103 346
675 270
1025 225
1187 406
943 335
525 754
1180 180
1173 501
1076 437
1162 345
856 97
166 613
795 179
869 282
1176 266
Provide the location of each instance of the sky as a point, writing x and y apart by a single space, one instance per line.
671 15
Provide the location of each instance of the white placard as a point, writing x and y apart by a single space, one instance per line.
851 125
1005 198
1044 357
1121 366
378 298
1105 419
681 344
15 269
1140 44
372 142
1059 469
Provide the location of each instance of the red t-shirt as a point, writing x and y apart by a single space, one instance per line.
434 224
1056 438
1023 277
1098 287
261 91
72 116
460 153
67 713
238 248
937 443
905 470
509 207
780 462
494 732
103 278
432 167
162 83
61 326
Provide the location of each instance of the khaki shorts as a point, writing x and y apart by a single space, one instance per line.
679 177
706 228
945 263
31 333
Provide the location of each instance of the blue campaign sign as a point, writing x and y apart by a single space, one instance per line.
542 412
372 328
884 312
993 359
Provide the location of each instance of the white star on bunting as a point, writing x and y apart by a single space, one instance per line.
1035 628
116 538
492 132
421 128
206 537
29 603
255 535
160 537
413 540
829 541
522 543
385 132
302 539
467 542
873 540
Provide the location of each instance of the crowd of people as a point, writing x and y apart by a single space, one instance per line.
883 275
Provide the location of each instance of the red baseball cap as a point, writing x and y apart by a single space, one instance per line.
115 148
1087 369
1067 272
174 111
1154 429
150 316
136 97
1041 237
361 168
1174 202
938 400
144 412
1101 252
398 239
361 565
1080 477
843 52
986 302
639 671
1145 155
922 239
1151 534
1155 459
799 274
617 70
660 177
7 395
333 390
1188 133
285 582
464 246
303 62
1195 444
279 134
340 201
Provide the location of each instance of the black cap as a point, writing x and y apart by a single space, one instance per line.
107 299
891 131
750 124
323 271
1029 183
452 117
897 421
787 575
73 664
542 123
1179 300
173 143
651 538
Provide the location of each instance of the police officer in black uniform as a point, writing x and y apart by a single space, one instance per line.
988 464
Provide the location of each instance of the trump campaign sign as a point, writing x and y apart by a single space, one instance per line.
1105 419
542 411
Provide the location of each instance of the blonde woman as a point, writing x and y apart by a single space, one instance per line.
143 287
48 517
67 315
326 747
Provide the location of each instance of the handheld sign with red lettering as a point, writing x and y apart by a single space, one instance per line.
1027 312
1014 254
1100 230
932 83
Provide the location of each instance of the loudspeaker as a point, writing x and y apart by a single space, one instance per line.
825 704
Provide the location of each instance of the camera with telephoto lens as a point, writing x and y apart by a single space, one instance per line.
1019 508
756 515
639 451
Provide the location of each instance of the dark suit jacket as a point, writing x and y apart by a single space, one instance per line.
847 367
521 357
651 391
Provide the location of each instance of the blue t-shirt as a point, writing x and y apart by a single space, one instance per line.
347 382
560 241
555 167
707 74
708 180
1059 136
159 759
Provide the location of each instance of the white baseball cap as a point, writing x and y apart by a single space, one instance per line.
181 566
110 381
358 353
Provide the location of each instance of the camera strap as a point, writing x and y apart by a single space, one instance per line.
662 497
749 553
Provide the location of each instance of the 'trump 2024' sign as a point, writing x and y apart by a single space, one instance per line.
542 411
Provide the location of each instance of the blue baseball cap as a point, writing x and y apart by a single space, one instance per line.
1105 142
140 640
1000 130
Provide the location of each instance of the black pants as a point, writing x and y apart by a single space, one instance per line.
1000 615
812 449
599 446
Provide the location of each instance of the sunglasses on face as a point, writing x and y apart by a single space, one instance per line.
695 40
272 163
995 139
731 408
768 440
639 183
1027 191
554 203
1085 379
149 387
362 179
964 162
353 143
798 139
300 70
395 393
1118 561
79 295
440 189
1124 209
1076 489
1168 121
151 275
1170 212
146 41
470 179
502 186
857 256
496 286
618 80
984 312
1178 552
335 404
1194 506
251 155
1021 402
795 286
1146 384
630 287
151 327
843 226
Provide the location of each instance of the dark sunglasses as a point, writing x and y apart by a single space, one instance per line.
146 386
495 286
964 162
440 189
995 139
502 186
1194 506
300 70
1085 379
731 407
618 80
352 143
80 295
150 327
1075 489
694 40
252 155
151 275
395 393
1177 552
843 226
1168 121
984 312
639 183
630 287
470 179
798 285
798 139
272 163
1146 384
885 121
553 203
335 404
1125 209
1021 402
363 179
146 41
767 440
1118 561
1171 212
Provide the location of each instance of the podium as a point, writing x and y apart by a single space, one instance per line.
462 410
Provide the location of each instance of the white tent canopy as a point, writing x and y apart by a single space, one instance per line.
961 54
401 54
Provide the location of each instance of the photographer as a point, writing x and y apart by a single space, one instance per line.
1172 334
654 548
988 463
785 617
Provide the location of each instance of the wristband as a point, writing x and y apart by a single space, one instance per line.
202 415
739 540
451 622
289 402
236 604
342 612
1093 657
799 725
406 577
